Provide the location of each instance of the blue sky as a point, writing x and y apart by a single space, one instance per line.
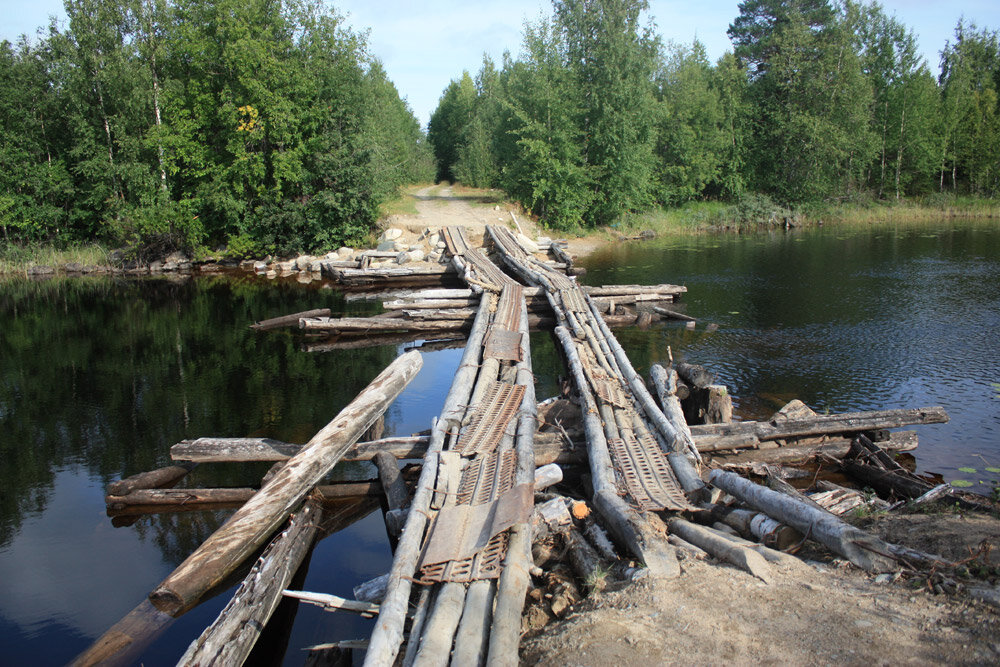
425 44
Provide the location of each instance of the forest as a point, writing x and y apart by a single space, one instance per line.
253 125
269 127
598 118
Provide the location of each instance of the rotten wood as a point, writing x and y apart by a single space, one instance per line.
154 479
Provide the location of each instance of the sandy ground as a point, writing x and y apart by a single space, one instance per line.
813 614
440 206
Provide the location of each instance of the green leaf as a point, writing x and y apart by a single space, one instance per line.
961 483
992 469
967 469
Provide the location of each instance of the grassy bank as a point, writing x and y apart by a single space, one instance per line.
759 212
21 259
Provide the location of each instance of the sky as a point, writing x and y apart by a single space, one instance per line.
425 44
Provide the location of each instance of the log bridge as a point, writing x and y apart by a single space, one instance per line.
462 528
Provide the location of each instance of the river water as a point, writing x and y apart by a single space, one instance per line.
98 377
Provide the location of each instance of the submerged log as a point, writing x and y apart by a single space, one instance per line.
247 529
863 549
154 479
229 640
289 320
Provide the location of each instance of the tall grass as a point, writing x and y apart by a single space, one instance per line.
16 258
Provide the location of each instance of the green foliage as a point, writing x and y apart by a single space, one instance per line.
177 123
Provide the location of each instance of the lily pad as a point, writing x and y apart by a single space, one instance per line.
992 469
961 483
966 469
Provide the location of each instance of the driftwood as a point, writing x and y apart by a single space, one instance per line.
800 452
154 479
849 422
864 550
334 602
550 448
229 640
673 314
289 320
394 493
721 548
247 529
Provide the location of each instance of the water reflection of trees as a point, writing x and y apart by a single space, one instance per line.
106 374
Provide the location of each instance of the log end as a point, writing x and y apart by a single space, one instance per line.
167 601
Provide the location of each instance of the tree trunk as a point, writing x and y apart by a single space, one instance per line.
154 479
247 529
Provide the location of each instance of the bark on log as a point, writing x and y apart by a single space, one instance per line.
229 640
154 479
864 550
885 482
694 375
247 529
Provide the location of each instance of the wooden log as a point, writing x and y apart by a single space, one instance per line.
629 527
718 405
371 276
886 483
848 422
388 632
693 374
835 447
393 490
124 642
430 304
247 529
473 629
154 479
370 325
289 320
160 501
372 590
673 314
864 550
423 341
231 637
334 602
748 522
665 383
550 447
583 557
440 628
721 548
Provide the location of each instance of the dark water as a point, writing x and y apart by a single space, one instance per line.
843 319
99 377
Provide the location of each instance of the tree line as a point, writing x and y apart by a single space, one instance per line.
817 102
259 125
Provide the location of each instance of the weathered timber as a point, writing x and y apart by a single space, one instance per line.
886 483
425 342
473 629
247 529
123 643
665 382
430 304
388 632
550 448
861 548
289 320
628 526
694 375
673 314
372 276
848 422
833 446
721 548
668 292
231 637
154 479
334 602
761 526
393 490
161 501
374 325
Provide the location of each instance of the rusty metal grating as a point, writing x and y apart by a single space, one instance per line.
490 418
646 473
502 344
487 564
484 480
508 315
486 477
